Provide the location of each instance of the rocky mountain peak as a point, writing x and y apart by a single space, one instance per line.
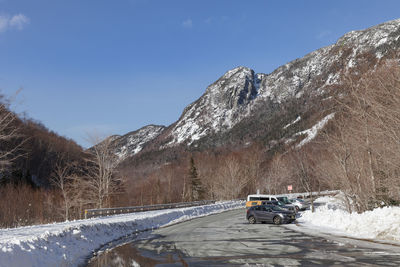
223 104
372 37
240 93
235 88
323 67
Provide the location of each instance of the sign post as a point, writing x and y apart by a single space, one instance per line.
290 188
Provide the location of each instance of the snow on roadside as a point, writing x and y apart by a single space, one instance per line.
69 243
380 223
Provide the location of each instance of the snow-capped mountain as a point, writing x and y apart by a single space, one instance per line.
224 103
241 96
133 142
241 91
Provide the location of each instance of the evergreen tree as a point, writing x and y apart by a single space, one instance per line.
196 187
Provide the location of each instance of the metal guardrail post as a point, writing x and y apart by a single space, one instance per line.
89 213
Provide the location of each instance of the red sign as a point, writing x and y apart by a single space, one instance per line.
289 188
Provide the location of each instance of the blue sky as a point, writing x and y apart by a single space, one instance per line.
115 66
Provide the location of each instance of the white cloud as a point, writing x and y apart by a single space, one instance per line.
187 23
3 23
17 22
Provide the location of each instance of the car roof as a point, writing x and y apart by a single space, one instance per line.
265 205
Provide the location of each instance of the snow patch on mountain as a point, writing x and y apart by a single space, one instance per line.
312 132
293 122
132 143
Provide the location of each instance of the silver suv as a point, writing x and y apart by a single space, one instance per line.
299 204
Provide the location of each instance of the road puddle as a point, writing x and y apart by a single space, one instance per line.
128 255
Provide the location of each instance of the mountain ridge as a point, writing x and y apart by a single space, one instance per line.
241 93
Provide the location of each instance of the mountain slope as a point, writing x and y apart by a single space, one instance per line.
223 105
240 92
133 142
243 106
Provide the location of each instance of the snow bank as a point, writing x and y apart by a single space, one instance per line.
380 223
69 243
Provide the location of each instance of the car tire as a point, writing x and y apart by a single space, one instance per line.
297 209
277 220
252 220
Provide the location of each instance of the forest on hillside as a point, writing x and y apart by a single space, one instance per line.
45 177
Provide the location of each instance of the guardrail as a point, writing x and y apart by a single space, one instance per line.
315 194
90 213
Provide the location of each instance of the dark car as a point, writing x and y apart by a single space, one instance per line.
281 204
270 213
284 200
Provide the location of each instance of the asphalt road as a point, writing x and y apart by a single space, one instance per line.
227 239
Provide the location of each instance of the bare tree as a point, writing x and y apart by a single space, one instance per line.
185 189
347 169
252 167
169 175
381 101
276 175
102 162
9 134
230 180
302 169
365 139
65 180
208 165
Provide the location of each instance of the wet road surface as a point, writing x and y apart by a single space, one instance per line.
227 239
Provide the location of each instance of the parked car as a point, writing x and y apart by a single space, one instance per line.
260 199
284 200
299 204
269 213
252 203
280 204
